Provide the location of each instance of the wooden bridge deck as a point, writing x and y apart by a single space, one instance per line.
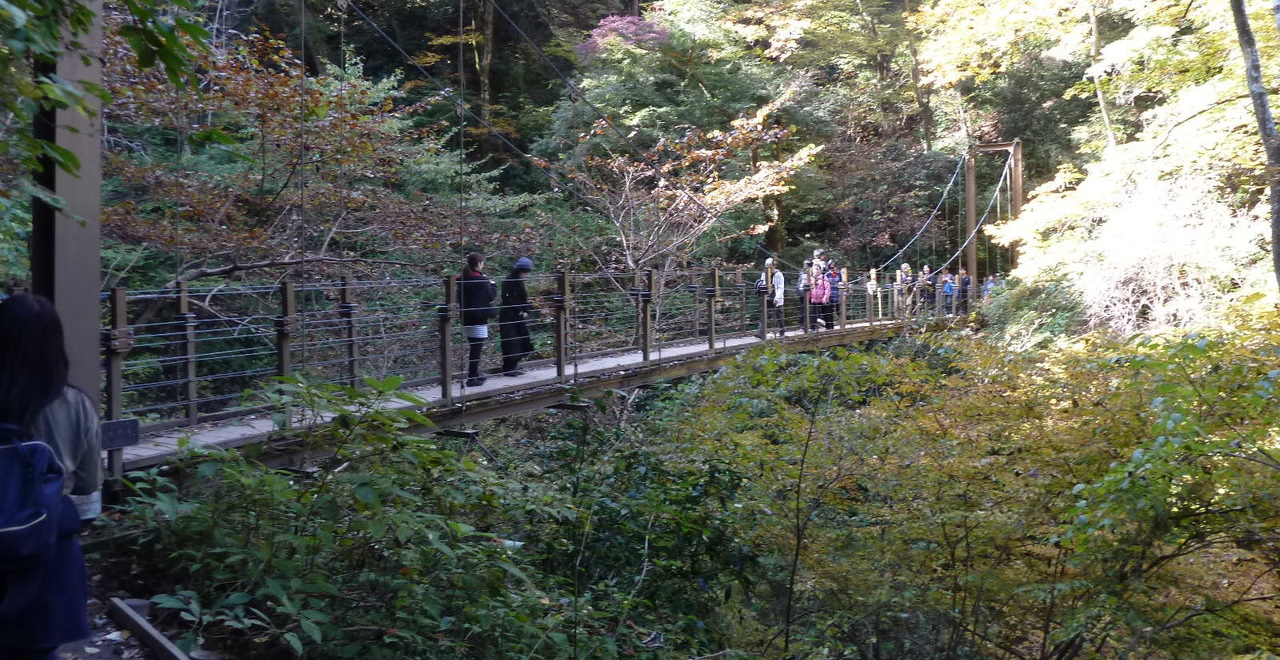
539 388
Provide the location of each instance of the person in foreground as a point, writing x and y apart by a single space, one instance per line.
47 424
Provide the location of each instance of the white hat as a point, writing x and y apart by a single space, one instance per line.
768 263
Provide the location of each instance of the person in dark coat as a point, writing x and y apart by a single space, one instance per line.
963 283
475 297
834 279
513 315
45 606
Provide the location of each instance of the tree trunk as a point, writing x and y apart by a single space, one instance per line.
485 60
1095 54
921 93
1266 123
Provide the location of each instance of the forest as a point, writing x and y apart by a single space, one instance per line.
1084 468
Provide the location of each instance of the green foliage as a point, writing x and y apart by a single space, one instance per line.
383 553
1034 315
937 499
35 34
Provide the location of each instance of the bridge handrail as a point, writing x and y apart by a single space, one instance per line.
178 357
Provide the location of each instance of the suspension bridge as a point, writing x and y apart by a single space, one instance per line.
184 365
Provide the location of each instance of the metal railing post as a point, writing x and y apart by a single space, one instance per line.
347 309
444 314
116 342
190 382
562 327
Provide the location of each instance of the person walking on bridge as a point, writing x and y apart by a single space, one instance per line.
475 296
819 298
773 290
513 315
834 279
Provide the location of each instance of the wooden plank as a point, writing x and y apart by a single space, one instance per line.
144 631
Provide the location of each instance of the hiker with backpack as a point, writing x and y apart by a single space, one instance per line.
49 449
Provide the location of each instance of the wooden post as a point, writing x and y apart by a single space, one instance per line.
562 327
695 316
804 309
347 309
742 293
1015 192
873 292
646 317
1015 183
189 351
971 210
286 325
764 293
117 341
444 315
713 294
637 285
842 287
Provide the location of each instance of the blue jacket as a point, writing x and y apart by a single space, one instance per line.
834 280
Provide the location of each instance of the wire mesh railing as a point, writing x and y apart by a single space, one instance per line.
182 356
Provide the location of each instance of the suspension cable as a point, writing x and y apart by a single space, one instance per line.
1008 168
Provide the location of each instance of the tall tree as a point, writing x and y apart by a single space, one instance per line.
1266 122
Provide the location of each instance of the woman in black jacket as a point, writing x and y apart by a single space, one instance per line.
513 326
475 296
